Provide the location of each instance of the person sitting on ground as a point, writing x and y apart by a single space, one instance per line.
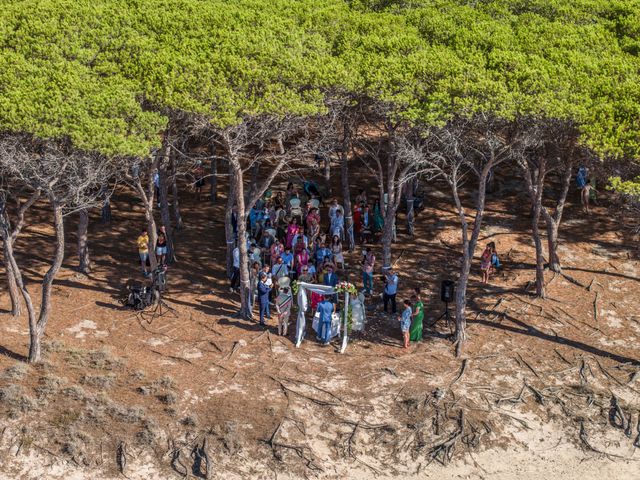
161 248
405 323
485 264
284 300
415 334
143 250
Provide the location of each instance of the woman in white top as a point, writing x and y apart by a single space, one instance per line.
336 249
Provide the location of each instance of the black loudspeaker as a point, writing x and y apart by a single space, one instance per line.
447 288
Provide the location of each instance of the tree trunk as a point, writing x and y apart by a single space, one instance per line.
36 329
535 186
228 224
174 194
245 289
165 214
346 192
327 173
214 175
552 243
553 221
465 269
17 274
253 187
83 242
387 240
468 249
410 211
12 286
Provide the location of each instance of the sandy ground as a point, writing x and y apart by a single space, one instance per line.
530 397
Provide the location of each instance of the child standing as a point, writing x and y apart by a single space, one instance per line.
405 323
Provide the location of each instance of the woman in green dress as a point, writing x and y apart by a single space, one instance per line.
378 221
415 334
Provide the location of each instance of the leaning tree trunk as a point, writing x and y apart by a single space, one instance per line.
84 261
37 328
553 221
245 288
175 194
346 193
17 275
12 286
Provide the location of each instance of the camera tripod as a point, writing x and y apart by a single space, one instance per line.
159 306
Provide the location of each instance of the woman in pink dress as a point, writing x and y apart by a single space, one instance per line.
292 230
313 225
301 260
276 250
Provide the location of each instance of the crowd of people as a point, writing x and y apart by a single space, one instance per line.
289 239
294 236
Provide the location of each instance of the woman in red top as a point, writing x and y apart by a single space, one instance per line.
356 220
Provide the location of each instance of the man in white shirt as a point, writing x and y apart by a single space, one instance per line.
337 225
390 290
279 270
332 212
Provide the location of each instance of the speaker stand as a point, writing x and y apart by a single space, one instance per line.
447 316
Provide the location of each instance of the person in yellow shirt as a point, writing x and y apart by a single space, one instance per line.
143 250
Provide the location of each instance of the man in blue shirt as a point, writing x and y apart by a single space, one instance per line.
287 258
325 310
331 280
263 297
390 290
